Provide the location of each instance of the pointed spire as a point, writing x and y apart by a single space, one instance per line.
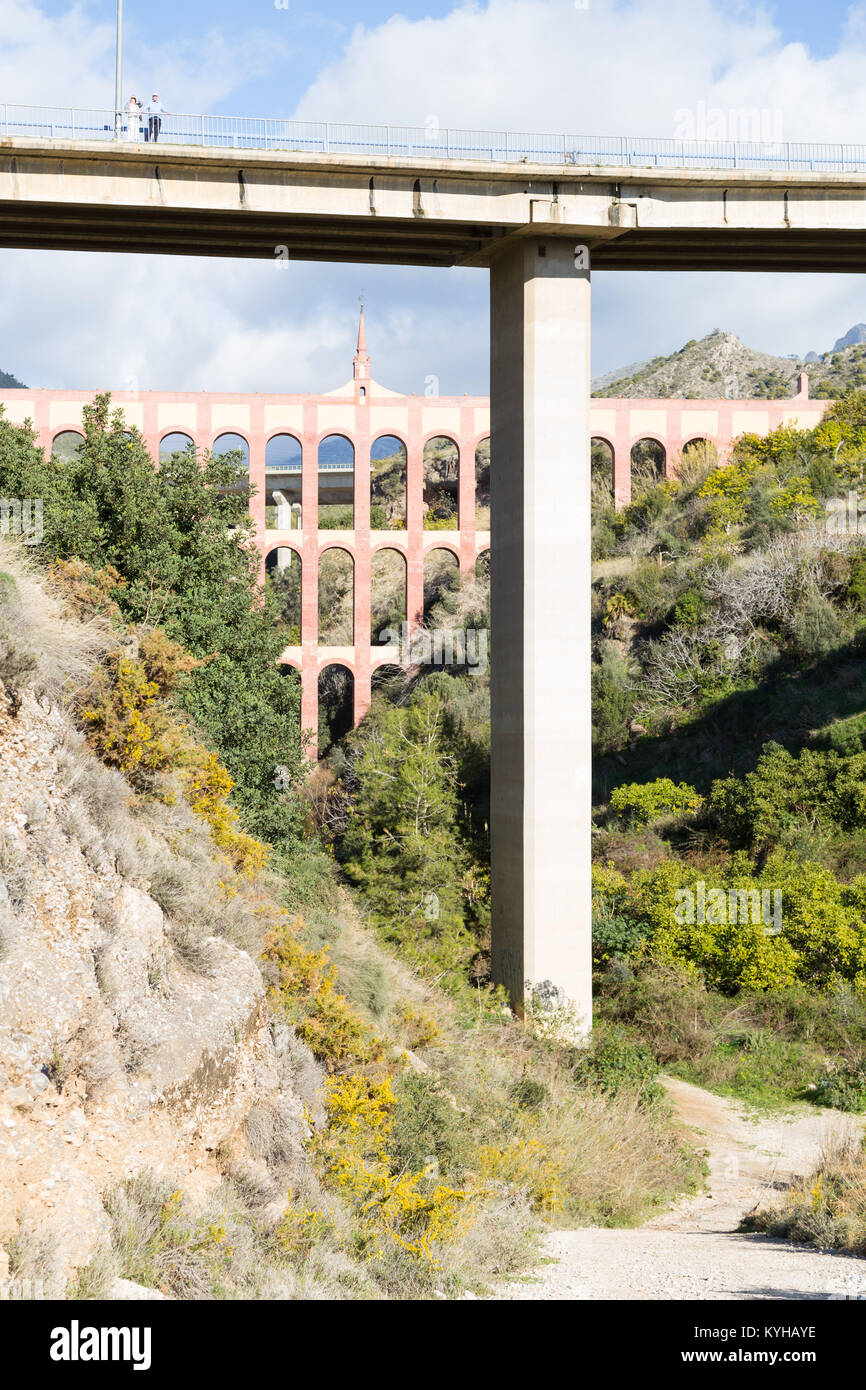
362 360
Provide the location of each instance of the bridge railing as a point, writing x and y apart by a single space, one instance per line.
431 141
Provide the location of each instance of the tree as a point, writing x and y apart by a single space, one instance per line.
401 845
180 539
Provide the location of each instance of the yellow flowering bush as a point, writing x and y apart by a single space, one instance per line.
131 726
305 993
412 1210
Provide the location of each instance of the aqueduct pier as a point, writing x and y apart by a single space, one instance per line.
538 227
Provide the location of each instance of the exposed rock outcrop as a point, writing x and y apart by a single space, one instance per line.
118 1052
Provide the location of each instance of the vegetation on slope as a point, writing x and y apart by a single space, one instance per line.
442 1131
728 695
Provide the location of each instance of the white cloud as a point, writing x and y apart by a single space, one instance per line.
68 60
542 65
76 319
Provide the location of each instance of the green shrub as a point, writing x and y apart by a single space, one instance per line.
529 1094
426 1127
816 626
844 1088
818 786
614 1062
855 591
612 707
642 802
613 935
690 609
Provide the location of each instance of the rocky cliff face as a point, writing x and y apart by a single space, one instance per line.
119 1052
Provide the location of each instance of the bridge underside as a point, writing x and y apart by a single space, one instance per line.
200 201
393 241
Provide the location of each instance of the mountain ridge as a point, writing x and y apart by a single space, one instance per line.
720 366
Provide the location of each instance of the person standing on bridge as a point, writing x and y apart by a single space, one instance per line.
133 119
155 112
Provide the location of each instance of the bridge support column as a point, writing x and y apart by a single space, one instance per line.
540 595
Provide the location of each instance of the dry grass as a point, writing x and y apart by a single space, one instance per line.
610 1158
827 1208
40 647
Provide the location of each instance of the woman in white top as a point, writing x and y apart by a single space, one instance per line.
133 119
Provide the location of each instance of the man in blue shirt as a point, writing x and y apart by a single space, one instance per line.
155 112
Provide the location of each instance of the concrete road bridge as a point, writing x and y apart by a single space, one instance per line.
541 212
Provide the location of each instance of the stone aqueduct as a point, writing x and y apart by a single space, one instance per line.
363 412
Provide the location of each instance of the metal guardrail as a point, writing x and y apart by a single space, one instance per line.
431 141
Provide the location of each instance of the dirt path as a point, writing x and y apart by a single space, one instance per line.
694 1250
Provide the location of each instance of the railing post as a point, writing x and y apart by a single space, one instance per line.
327 140
388 140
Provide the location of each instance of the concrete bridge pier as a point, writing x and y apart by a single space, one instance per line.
540 618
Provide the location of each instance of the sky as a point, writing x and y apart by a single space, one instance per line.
604 66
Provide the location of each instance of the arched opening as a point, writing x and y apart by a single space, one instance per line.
336 460
482 568
482 485
234 452
64 444
336 705
441 471
336 598
283 586
283 454
441 582
232 444
388 484
283 458
647 465
388 679
174 443
601 472
698 459
387 595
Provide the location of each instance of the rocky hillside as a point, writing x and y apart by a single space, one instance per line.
128 1045
719 365
714 366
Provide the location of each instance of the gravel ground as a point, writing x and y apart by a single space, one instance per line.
694 1251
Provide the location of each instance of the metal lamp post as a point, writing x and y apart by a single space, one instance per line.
118 74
